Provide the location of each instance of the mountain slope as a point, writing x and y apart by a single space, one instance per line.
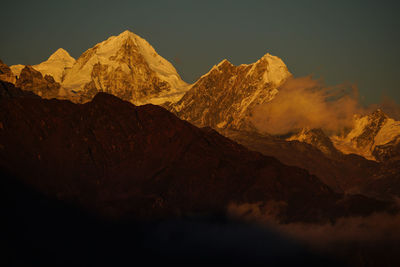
119 160
225 96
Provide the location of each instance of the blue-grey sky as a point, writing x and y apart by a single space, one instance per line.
341 41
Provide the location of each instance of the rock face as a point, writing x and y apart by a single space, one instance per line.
225 96
32 80
343 173
126 66
373 136
119 160
6 74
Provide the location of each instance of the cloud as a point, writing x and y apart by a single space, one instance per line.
355 240
306 102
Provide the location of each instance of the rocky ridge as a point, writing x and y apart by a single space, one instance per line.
225 96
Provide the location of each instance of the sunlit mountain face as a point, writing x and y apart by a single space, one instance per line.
112 158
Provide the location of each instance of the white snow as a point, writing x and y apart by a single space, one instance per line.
80 73
359 125
16 69
276 73
389 131
277 70
57 64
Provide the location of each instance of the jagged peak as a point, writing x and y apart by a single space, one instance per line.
217 67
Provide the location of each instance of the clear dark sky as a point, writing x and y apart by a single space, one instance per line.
341 41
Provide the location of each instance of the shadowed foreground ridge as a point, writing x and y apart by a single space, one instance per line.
121 161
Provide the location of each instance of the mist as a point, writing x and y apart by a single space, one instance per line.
372 239
307 103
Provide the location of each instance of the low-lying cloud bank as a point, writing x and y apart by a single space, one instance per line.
373 240
306 102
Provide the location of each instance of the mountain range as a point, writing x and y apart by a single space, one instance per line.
118 134
128 67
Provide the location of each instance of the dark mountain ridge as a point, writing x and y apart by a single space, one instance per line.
119 160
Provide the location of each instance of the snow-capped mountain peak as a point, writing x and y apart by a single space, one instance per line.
61 54
368 132
225 96
275 69
126 66
56 65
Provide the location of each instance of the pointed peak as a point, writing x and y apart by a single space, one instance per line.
223 62
126 33
267 55
270 58
60 54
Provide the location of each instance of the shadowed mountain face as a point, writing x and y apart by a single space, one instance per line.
120 160
6 74
343 173
32 80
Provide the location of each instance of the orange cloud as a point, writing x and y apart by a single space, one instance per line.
306 102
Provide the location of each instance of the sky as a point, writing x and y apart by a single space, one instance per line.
351 42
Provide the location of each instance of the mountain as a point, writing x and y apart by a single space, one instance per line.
56 65
373 137
126 66
225 96
119 160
